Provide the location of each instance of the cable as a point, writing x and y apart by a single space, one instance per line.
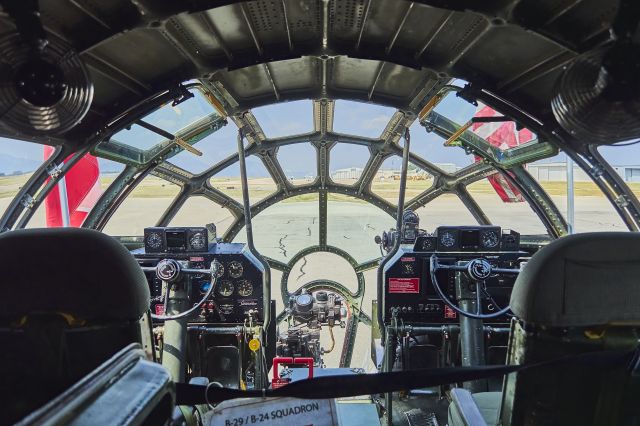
333 341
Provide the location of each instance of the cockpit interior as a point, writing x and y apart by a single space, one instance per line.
320 212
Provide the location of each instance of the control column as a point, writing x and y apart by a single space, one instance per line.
471 329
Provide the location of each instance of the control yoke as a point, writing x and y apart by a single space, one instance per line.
169 271
478 270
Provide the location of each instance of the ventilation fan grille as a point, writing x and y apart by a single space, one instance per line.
584 108
22 116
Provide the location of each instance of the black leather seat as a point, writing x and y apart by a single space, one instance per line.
579 294
71 298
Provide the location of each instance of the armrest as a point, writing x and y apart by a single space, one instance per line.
463 410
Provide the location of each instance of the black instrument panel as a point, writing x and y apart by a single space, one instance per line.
239 282
407 280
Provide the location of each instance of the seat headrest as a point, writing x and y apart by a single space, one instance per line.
76 271
581 280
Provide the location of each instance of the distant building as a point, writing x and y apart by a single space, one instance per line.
350 173
558 172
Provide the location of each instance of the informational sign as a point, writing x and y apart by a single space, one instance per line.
273 412
404 285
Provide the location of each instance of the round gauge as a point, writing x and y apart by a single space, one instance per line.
490 239
198 241
220 268
245 288
235 269
154 240
427 244
447 239
226 288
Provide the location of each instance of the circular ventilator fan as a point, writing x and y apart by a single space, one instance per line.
598 94
44 89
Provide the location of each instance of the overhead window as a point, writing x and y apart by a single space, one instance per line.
284 119
358 118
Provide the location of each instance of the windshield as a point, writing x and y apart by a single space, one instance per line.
323 189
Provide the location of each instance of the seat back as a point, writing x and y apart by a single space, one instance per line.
579 294
72 298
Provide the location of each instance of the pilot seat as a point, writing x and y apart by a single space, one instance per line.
71 299
577 295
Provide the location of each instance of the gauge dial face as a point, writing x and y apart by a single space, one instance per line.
220 268
427 244
198 241
154 240
245 288
490 239
447 239
226 288
235 269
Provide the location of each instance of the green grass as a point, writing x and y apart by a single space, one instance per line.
153 187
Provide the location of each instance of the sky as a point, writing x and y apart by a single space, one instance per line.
283 119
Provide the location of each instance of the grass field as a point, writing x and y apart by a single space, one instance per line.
153 187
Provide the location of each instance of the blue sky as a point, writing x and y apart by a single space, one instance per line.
281 120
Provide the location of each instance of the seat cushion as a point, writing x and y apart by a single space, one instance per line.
581 280
75 271
467 409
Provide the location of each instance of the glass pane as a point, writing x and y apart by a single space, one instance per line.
18 161
346 162
289 118
137 137
82 194
299 163
261 185
352 224
516 216
430 146
282 230
447 209
172 119
199 211
386 182
455 111
626 161
592 209
314 267
143 207
358 118
215 147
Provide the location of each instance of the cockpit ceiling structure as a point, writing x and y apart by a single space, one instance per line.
261 52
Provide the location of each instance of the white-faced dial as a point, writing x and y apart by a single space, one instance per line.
447 239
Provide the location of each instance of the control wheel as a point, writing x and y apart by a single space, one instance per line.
169 271
478 270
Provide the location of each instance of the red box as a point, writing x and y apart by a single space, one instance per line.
404 285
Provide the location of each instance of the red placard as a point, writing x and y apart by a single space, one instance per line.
159 309
449 313
404 285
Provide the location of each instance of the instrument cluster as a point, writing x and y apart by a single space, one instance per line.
239 277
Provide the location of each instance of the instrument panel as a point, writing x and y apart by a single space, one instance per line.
239 286
407 280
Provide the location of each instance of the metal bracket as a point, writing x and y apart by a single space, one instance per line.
28 201
55 170
622 201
